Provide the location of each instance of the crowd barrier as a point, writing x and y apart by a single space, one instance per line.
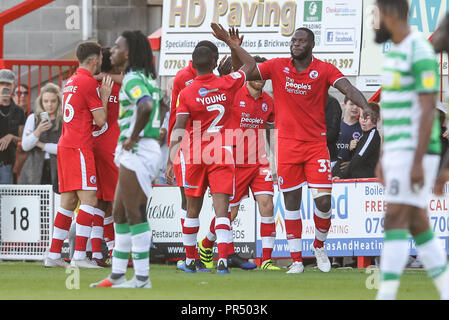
358 207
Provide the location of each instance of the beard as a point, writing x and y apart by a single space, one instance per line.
300 56
382 34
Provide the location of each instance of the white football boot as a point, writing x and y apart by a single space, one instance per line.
296 267
322 260
134 283
85 263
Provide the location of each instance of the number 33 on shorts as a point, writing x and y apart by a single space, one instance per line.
325 165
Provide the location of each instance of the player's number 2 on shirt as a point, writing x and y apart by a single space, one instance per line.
325 165
213 128
69 112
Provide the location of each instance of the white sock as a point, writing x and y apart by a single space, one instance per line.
392 263
434 259
122 248
141 242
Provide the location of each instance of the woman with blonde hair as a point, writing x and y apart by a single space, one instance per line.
40 138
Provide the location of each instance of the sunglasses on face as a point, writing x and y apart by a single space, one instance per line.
22 93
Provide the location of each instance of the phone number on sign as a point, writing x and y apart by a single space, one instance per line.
340 63
175 64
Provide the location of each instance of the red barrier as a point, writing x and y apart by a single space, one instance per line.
39 72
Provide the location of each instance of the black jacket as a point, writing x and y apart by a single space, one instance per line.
364 157
333 120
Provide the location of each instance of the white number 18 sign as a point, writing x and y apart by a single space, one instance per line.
20 221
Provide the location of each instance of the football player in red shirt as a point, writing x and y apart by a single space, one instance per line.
207 103
300 89
183 78
84 102
253 111
105 143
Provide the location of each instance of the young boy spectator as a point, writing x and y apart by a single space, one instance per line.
349 130
367 149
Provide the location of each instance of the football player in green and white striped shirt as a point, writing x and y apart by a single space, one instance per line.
411 148
138 156
440 42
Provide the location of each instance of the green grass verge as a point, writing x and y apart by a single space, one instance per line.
29 280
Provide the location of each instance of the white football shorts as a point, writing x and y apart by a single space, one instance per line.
144 160
396 167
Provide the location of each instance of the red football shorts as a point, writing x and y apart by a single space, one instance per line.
303 162
218 176
256 177
76 169
107 175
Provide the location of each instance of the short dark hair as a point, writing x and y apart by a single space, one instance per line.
86 50
208 44
202 58
400 7
259 59
140 55
308 31
106 64
374 113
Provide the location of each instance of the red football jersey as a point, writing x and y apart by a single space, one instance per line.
81 96
183 78
300 97
250 115
106 137
208 101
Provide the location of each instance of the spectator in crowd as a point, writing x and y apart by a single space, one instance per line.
164 148
333 120
40 138
366 150
163 136
12 120
442 111
21 93
349 130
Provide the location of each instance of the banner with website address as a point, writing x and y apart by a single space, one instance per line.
163 213
268 27
357 221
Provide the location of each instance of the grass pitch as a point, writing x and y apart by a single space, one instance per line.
31 281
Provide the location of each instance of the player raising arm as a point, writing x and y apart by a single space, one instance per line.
197 103
300 89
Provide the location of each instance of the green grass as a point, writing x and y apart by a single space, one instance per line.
29 280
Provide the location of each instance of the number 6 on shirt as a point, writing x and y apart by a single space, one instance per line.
69 112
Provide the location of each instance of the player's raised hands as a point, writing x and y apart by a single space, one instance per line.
235 36
225 66
219 32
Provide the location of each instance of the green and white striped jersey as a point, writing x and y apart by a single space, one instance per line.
410 68
135 87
